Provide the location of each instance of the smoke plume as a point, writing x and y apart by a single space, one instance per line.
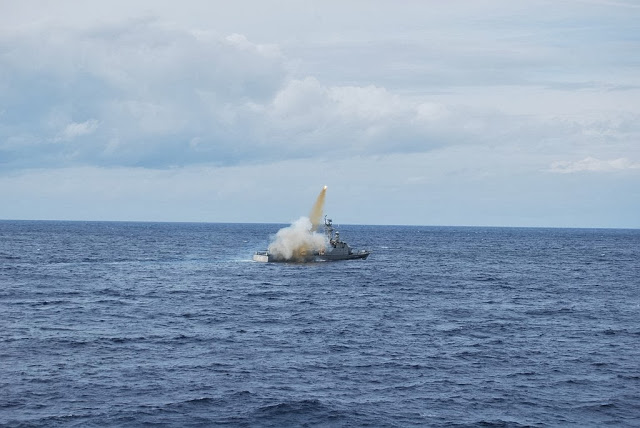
316 212
298 242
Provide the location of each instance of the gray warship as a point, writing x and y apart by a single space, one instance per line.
336 250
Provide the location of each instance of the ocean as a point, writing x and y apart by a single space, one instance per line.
172 324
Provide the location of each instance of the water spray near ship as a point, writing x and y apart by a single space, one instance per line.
301 242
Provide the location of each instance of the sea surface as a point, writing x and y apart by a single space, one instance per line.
170 324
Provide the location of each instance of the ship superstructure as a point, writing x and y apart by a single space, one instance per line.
334 251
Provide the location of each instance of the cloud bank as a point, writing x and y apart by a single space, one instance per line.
150 95
590 164
147 94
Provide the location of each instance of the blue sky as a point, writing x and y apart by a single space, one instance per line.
505 113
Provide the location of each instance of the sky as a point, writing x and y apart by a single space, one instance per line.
470 113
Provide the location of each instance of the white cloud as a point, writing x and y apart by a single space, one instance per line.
591 164
369 103
300 98
75 129
241 41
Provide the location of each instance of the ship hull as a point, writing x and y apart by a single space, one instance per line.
353 256
265 257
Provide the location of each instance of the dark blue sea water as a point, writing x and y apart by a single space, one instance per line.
137 324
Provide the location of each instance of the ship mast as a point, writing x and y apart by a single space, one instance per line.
328 227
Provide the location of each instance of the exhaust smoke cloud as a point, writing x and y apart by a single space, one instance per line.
316 212
298 242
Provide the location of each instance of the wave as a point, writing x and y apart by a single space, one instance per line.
288 407
309 412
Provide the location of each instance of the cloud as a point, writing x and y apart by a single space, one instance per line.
590 164
148 94
75 129
142 93
133 94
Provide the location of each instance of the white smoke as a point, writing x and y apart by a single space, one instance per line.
297 242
